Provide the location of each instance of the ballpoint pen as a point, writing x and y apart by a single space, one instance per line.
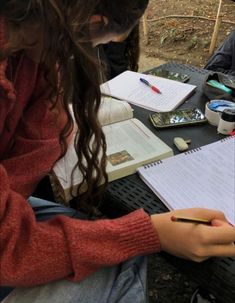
154 88
190 220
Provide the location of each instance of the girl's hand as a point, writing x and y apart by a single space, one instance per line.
195 241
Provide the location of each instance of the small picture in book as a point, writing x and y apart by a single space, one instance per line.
119 157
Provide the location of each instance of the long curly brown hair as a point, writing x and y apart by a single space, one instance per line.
133 49
67 44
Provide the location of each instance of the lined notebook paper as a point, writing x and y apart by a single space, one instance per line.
127 86
204 177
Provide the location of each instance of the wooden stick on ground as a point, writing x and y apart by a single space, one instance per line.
145 28
216 30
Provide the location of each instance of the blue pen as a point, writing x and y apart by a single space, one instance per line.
154 88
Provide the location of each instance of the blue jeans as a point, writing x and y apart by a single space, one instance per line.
122 283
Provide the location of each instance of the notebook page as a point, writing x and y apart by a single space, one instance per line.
200 178
127 86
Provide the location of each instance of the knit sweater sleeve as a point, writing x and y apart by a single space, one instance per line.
33 253
35 148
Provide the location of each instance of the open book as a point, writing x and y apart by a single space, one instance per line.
127 86
130 144
203 177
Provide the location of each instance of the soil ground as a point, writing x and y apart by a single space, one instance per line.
183 40
167 284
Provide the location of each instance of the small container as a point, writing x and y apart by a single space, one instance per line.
212 116
214 109
227 121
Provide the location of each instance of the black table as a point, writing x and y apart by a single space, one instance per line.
130 193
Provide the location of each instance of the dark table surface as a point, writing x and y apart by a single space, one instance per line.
130 193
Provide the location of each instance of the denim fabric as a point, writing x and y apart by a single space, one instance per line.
45 210
125 283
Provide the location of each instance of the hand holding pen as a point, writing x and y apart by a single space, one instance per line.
195 233
153 88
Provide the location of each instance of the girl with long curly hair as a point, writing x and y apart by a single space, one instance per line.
47 62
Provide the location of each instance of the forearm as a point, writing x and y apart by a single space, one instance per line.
195 241
35 253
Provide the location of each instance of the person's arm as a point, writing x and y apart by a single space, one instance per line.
192 241
35 149
33 253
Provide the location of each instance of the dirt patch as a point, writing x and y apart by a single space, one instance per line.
167 283
181 39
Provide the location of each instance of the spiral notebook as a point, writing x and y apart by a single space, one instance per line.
127 86
203 177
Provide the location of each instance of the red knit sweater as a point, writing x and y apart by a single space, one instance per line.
34 253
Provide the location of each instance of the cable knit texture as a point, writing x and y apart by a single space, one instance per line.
33 253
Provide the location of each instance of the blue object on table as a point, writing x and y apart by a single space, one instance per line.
220 105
